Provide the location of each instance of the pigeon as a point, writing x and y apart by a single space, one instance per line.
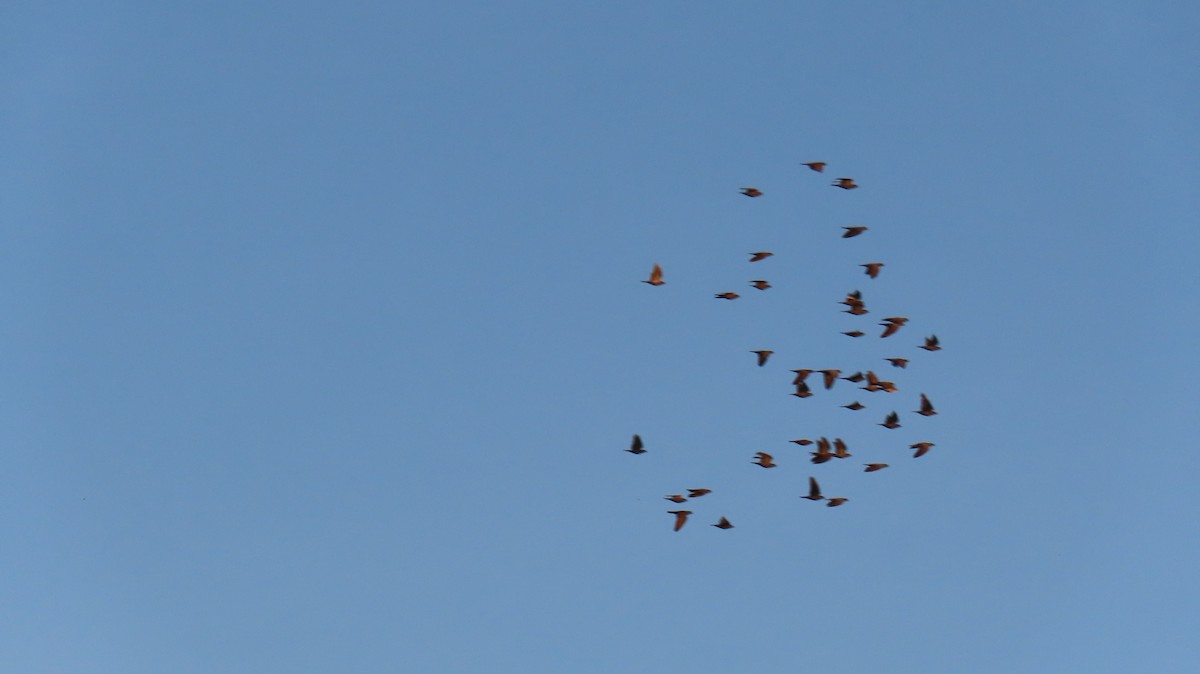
873 268
655 276
727 296
751 192
723 524
765 460
760 284
680 517
926 407
762 255
921 448
931 343
845 183
814 490
763 356
697 493
872 467
892 421
818 166
636 447
852 232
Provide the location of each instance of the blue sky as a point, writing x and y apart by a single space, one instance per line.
324 336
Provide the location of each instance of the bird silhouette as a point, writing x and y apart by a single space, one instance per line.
841 451
931 343
723 524
763 355
926 407
636 447
751 192
802 442
855 378
818 166
765 460
655 276
680 517
856 310
872 467
891 325
727 296
801 375
898 362
831 377
802 390
852 232
845 183
760 284
675 498
823 452
761 255
921 447
835 502
814 490
873 268
892 421
697 493
854 406
854 333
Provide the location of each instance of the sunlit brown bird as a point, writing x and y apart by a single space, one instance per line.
765 460
680 517
852 232
814 490
921 448
751 192
831 377
655 276
891 325
801 375
818 166
856 310
636 447
802 442
760 284
723 524
873 268
802 390
898 362
845 183
761 255
835 502
841 451
823 452
892 421
855 378
854 333
697 493
926 407
675 498
763 356
872 467
931 343
727 296
854 406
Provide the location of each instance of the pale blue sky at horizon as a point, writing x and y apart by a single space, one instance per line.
324 336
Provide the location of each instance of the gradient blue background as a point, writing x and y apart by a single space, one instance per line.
322 336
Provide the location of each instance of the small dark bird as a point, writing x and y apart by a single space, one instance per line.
854 406
835 502
841 451
697 493
636 447
931 343
675 498
898 362
854 333
855 378
823 452
926 407
727 296
761 255
802 442
801 375
680 517
892 421
873 268
814 490
872 467
765 460
845 183
856 310
655 276
723 524
760 284
763 356
818 166
831 377
852 232
802 390
891 326
751 192
921 448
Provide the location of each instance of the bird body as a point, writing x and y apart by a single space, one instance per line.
927 407
760 284
675 498
873 268
680 517
697 493
763 355
831 377
636 447
872 467
898 362
818 166
761 255
656 275
723 524
852 232
835 502
855 406
921 447
751 192
765 460
892 421
931 344
814 490
845 183
727 296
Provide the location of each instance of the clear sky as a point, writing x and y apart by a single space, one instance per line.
323 336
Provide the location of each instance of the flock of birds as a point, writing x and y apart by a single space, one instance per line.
826 450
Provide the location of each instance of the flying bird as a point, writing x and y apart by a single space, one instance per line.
855 378
762 255
801 375
655 276
760 284
891 325
873 268
852 232
697 493
723 524
835 502
926 407
921 448
680 517
802 442
763 356
931 343
872 467
854 333
856 310
765 460
727 296
814 490
831 377
802 390
898 362
845 183
751 192
818 166
636 447
841 451
675 498
854 406
892 421
823 452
